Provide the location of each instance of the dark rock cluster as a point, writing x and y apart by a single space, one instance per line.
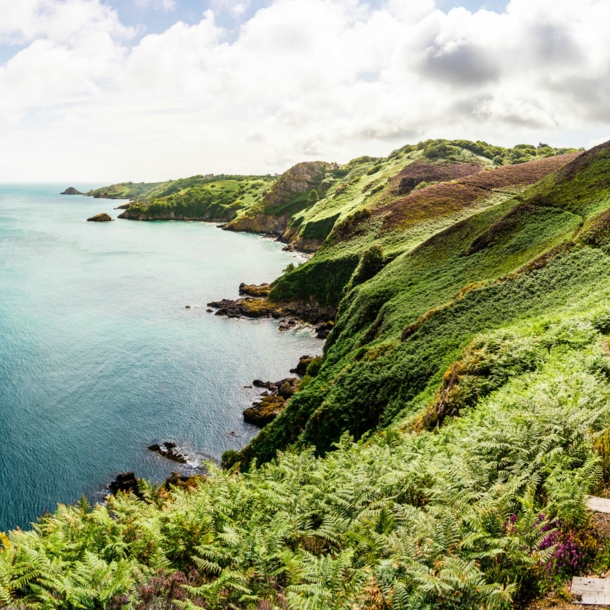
289 314
168 450
273 400
254 290
127 483
301 368
323 329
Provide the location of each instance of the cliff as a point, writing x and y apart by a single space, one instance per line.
297 189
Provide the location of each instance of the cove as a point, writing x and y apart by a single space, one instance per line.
99 357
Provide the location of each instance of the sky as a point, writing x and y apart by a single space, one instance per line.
150 90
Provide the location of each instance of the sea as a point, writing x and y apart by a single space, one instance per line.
99 356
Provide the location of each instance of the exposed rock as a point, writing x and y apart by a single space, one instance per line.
125 482
299 179
169 451
254 290
71 191
301 368
324 329
262 413
100 218
288 324
124 206
273 401
250 307
178 480
187 307
257 383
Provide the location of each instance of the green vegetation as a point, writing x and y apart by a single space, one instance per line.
214 198
487 509
438 455
433 184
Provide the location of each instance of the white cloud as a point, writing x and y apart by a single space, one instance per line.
166 5
301 79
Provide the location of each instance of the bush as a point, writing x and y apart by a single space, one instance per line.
371 263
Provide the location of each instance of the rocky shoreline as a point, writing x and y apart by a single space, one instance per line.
256 304
275 395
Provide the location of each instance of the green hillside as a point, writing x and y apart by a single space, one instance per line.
214 198
439 456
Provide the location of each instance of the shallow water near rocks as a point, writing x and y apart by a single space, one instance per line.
99 357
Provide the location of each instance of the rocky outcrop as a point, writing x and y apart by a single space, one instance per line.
301 368
168 450
179 480
255 290
323 329
125 482
273 400
124 206
271 220
100 218
251 307
71 191
298 179
262 223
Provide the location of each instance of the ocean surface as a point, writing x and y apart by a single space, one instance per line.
99 357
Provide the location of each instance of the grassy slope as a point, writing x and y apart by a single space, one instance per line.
501 318
361 208
215 198
371 375
486 511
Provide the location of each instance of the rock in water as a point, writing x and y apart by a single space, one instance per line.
127 483
262 413
301 368
168 450
255 290
71 191
273 401
100 218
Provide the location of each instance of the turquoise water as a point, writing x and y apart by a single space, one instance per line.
99 357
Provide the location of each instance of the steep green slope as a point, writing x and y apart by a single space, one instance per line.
486 512
397 333
471 362
397 219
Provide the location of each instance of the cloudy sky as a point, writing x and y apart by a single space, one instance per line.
110 90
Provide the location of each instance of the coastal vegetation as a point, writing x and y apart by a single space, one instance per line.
439 454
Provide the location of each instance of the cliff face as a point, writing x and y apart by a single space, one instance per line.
292 193
135 213
260 223
299 179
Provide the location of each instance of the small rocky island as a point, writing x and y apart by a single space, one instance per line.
169 450
100 218
72 191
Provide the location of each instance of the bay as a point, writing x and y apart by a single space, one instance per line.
99 357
